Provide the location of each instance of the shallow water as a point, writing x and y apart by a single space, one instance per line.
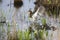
22 18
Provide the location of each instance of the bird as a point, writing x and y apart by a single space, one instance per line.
40 11
35 14
30 13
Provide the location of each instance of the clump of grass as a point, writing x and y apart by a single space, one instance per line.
27 36
30 34
20 34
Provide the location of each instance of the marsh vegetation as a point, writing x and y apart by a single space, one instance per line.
20 21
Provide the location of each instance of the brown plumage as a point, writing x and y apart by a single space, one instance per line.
30 14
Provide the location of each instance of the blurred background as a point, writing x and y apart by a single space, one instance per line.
29 19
